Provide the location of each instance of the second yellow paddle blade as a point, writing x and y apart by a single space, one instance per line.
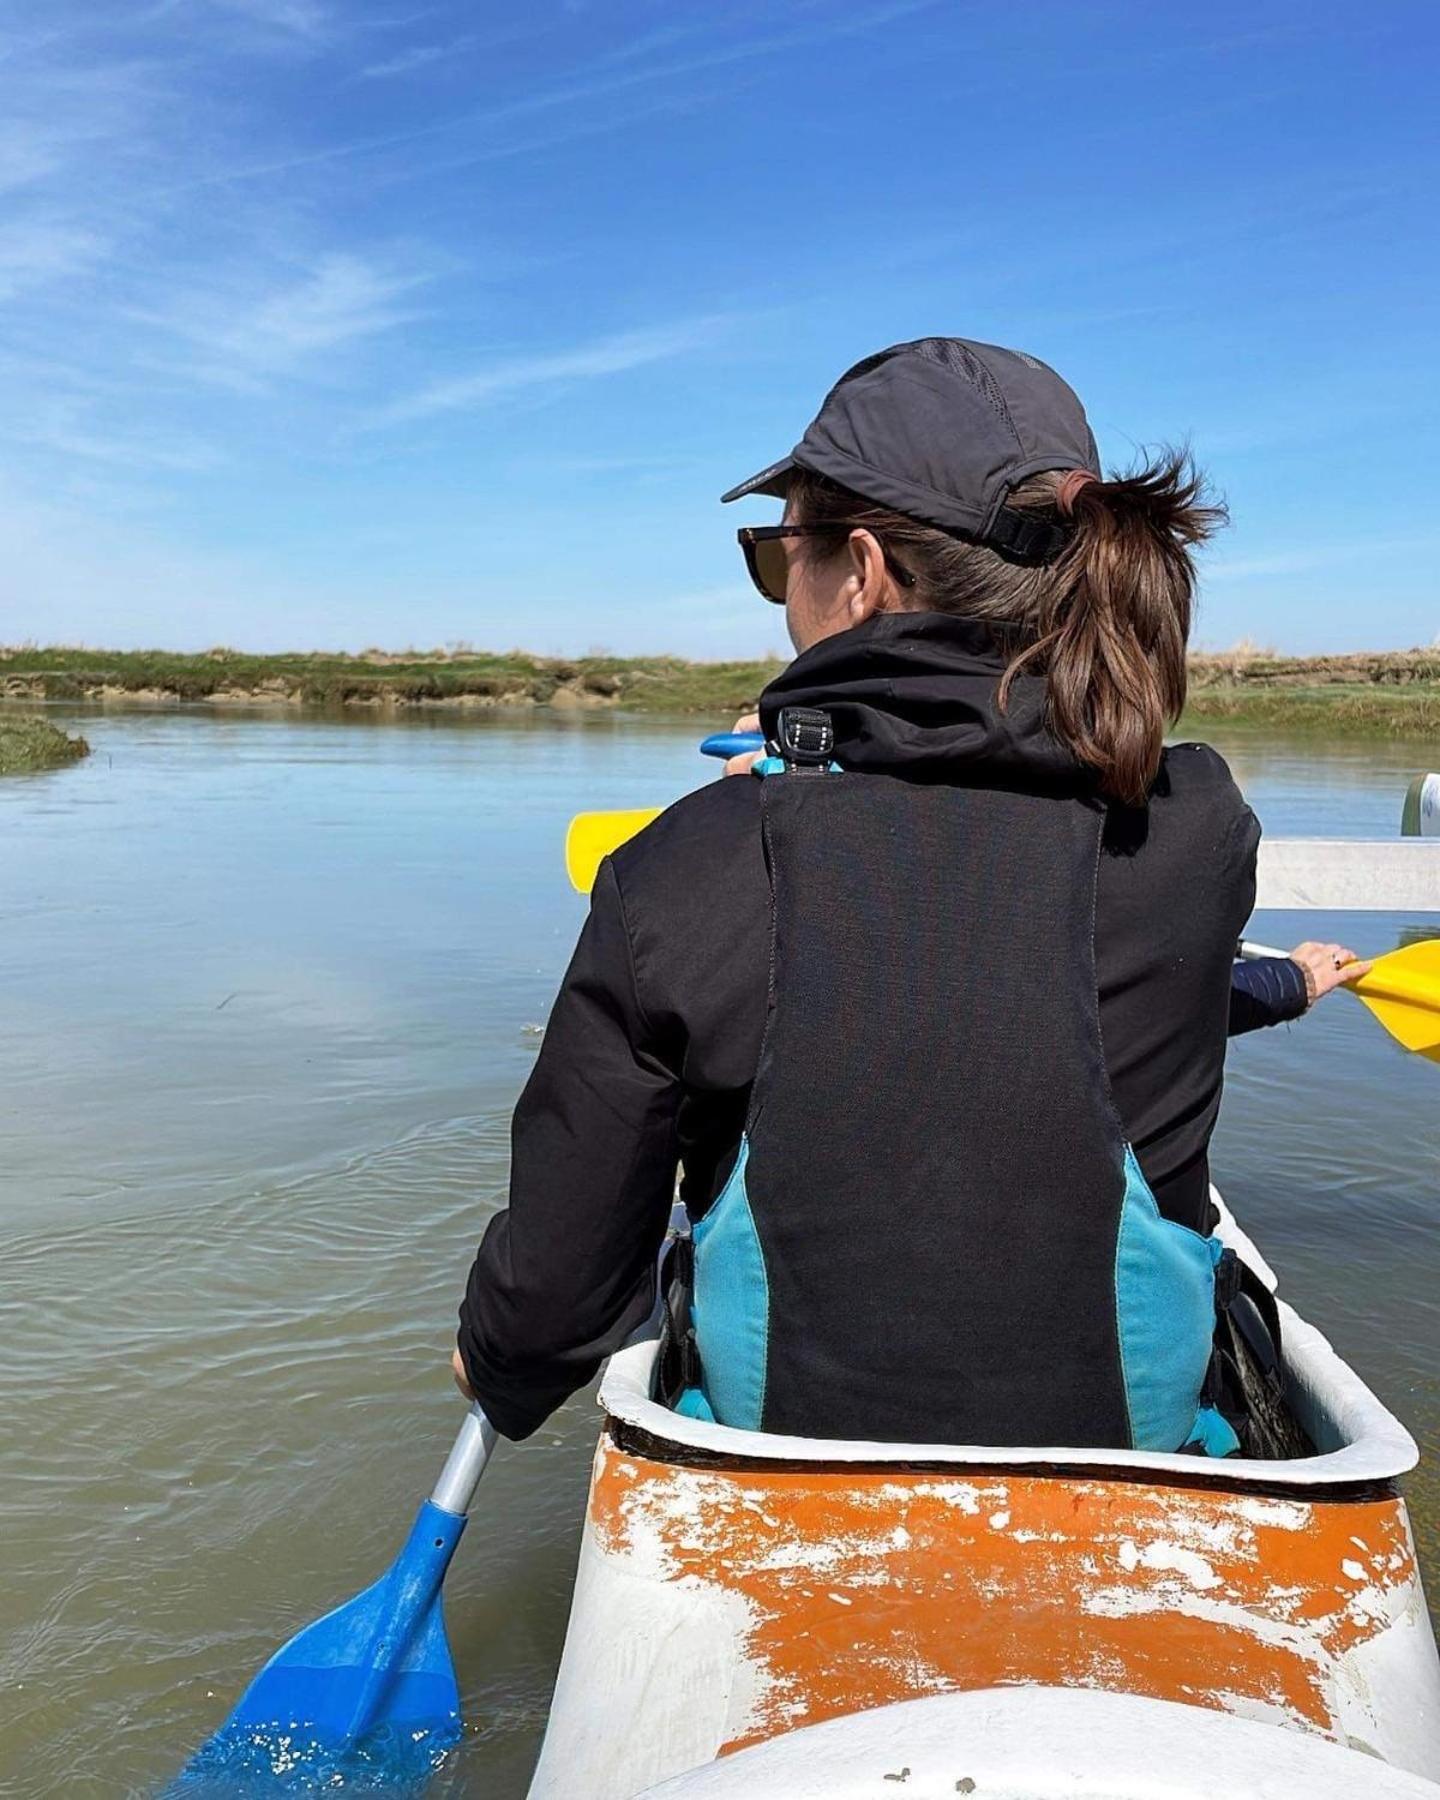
1403 992
593 835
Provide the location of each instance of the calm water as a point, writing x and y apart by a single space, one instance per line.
268 990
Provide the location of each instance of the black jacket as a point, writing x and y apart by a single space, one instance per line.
653 1041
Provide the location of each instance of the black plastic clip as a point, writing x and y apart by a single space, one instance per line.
1227 1282
806 738
1022 539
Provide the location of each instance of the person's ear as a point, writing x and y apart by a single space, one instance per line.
868 585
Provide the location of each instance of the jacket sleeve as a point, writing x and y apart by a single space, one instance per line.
1267 991
1271 989
567 1271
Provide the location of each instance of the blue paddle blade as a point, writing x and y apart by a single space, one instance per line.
368 1690
731 743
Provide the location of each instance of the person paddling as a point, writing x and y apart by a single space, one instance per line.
930 1010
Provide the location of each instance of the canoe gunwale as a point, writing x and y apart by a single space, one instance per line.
1200 1474
1365 1448
1371 1447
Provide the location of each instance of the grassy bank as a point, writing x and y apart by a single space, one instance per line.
28 745
408 678
1391 693
1335 711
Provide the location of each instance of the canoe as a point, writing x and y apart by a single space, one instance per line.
741 1595
1045 1744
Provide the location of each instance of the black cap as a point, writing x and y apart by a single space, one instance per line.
941 430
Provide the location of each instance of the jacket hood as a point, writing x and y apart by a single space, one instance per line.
917 695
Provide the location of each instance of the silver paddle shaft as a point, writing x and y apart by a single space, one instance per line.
466 1463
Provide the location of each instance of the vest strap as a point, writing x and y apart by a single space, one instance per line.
678 1360
1228 1282
805 738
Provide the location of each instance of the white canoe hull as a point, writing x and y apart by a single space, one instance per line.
734 1587
1045 1744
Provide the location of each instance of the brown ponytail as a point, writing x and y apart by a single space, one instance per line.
1106 622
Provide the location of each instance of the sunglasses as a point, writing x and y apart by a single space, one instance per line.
769 566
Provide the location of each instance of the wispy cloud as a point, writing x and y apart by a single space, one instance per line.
663 38
510 148
61 427
619 75
28 153
122 294
418 56
299 18
36 251
243 338
731 48
611 355
58 114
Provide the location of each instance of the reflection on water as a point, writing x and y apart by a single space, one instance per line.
269 990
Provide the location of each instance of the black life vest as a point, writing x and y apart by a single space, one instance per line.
934 1230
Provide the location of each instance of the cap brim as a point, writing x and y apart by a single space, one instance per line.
774 481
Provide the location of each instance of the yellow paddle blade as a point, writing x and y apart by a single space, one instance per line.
1403 992
592 836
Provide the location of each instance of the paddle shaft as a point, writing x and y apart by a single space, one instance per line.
466 1463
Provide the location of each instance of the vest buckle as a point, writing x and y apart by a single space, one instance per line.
1227 1282
806 737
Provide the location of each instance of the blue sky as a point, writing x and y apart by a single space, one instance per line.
347 322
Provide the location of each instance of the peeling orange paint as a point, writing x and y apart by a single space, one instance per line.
865 1587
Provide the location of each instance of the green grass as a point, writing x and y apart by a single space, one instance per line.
1386 694
1337 710
28 745
1383 693
649 684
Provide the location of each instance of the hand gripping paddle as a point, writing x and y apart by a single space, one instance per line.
1402 990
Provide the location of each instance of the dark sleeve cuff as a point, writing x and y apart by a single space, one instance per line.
1266 992
517 1401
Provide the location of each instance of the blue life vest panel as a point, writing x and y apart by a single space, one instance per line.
934 1230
